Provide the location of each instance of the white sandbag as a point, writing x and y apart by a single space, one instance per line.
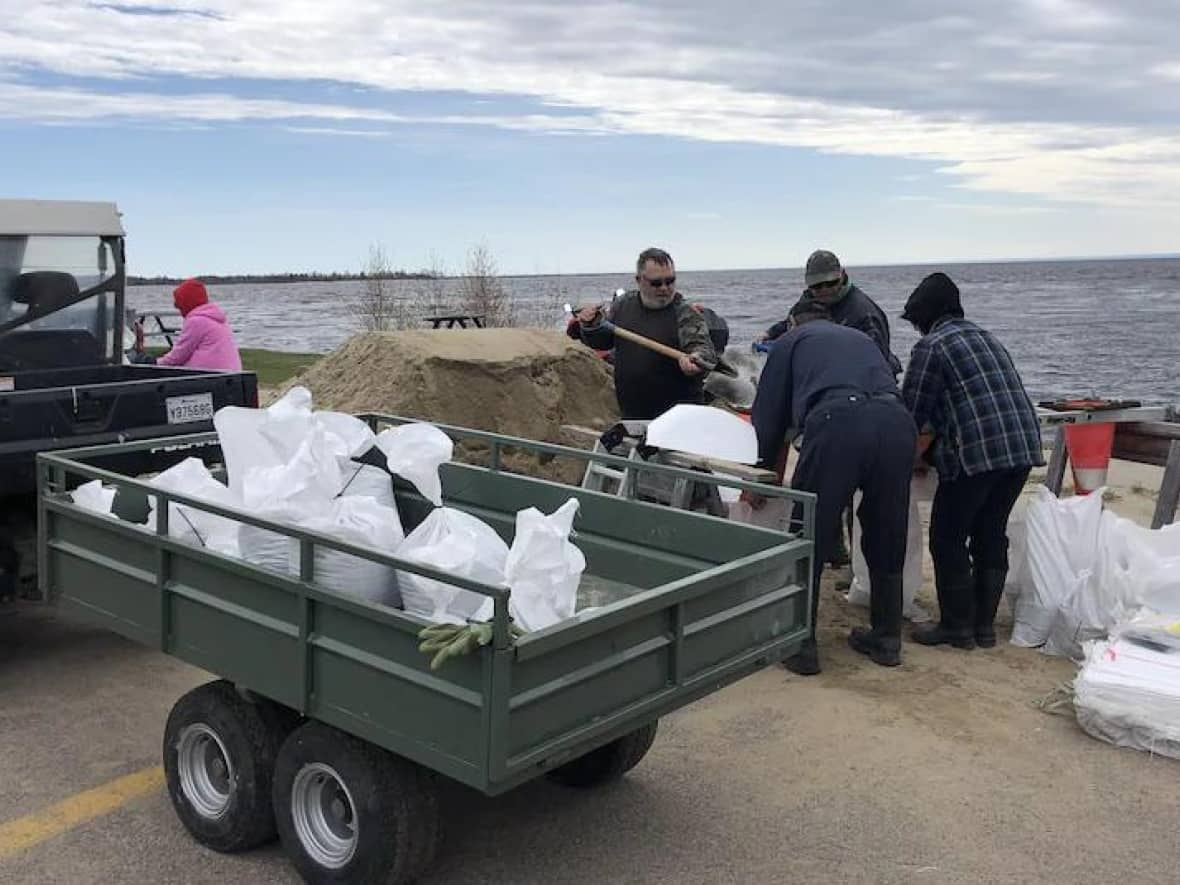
94 496
368 523
705 431
253 439
1128 690
1062 537
460 544
355 435
189 524
544 568
415 452
365 481
774 514
922 489
356 520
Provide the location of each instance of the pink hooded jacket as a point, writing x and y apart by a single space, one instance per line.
206 340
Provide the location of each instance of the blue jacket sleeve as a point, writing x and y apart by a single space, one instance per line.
771 414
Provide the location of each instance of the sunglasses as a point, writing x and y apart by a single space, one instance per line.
660 283
830 284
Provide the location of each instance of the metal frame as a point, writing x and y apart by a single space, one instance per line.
525 706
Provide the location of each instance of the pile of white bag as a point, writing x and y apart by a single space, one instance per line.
1083 570
1128 692
294 466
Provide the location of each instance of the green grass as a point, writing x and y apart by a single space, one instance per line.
272 367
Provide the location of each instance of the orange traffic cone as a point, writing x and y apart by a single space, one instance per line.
1089 448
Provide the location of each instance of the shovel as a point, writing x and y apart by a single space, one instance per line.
671 352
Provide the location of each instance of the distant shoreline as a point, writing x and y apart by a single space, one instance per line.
227 279
230 279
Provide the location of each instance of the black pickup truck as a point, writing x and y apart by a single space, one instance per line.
64 378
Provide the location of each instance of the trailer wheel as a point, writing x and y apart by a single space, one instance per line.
347 811
609 762
219 754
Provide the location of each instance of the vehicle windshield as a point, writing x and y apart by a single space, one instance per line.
25 288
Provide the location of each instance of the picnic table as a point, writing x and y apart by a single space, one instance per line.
459 319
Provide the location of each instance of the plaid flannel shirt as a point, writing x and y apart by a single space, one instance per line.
962 385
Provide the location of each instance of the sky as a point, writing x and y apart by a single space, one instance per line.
242 136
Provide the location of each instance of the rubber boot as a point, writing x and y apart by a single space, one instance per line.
956 614
806 662
989 589
881 642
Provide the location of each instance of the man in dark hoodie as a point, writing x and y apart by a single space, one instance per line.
833 383
828 284
962 385
647 384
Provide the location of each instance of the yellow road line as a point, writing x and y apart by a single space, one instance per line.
25 832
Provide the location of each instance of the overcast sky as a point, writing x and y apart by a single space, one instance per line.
260 135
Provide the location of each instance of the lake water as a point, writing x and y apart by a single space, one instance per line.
1108 327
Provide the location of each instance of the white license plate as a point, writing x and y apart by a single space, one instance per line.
184 409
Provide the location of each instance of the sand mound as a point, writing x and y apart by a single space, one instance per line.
520 382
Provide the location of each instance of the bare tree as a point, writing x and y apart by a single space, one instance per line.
376 306
430 294
482 291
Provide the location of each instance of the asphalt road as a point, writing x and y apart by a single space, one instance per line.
940 771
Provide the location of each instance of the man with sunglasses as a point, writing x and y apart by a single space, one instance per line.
828 285
647 384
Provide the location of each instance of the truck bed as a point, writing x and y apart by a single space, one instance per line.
59 408
687 603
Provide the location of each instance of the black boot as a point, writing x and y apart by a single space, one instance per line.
806 662
882 643
956 621
989 589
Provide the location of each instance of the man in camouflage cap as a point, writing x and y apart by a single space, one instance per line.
828 284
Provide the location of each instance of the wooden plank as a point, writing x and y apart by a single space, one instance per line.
1169 497
684 459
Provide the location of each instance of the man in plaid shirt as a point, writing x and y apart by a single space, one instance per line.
962 388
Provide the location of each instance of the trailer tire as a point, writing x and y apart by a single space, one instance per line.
348 811
219 755
609 762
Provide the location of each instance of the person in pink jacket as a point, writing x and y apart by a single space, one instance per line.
206 340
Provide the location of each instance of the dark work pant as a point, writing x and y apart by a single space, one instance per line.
866 445
969 536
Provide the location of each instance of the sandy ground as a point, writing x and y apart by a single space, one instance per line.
939 771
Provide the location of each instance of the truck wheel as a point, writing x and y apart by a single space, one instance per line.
347 811
609 762
219 755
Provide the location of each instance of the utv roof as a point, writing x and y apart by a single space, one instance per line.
62 218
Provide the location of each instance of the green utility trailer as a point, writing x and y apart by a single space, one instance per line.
327 723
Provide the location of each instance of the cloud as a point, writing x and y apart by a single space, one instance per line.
1050 99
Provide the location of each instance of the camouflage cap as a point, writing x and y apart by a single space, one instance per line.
822 267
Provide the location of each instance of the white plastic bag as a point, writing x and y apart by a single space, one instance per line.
415 452
1062 537
922 488
1128 690
705 431
459 544
544 568
94 496
358 520
189 524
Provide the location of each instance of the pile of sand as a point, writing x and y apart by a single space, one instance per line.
519 382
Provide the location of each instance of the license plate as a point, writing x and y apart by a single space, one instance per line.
186 409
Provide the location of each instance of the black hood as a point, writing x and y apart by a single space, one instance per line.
936 297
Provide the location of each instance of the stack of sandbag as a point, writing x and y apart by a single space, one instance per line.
294 466
542 568
1082 570
1128 690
